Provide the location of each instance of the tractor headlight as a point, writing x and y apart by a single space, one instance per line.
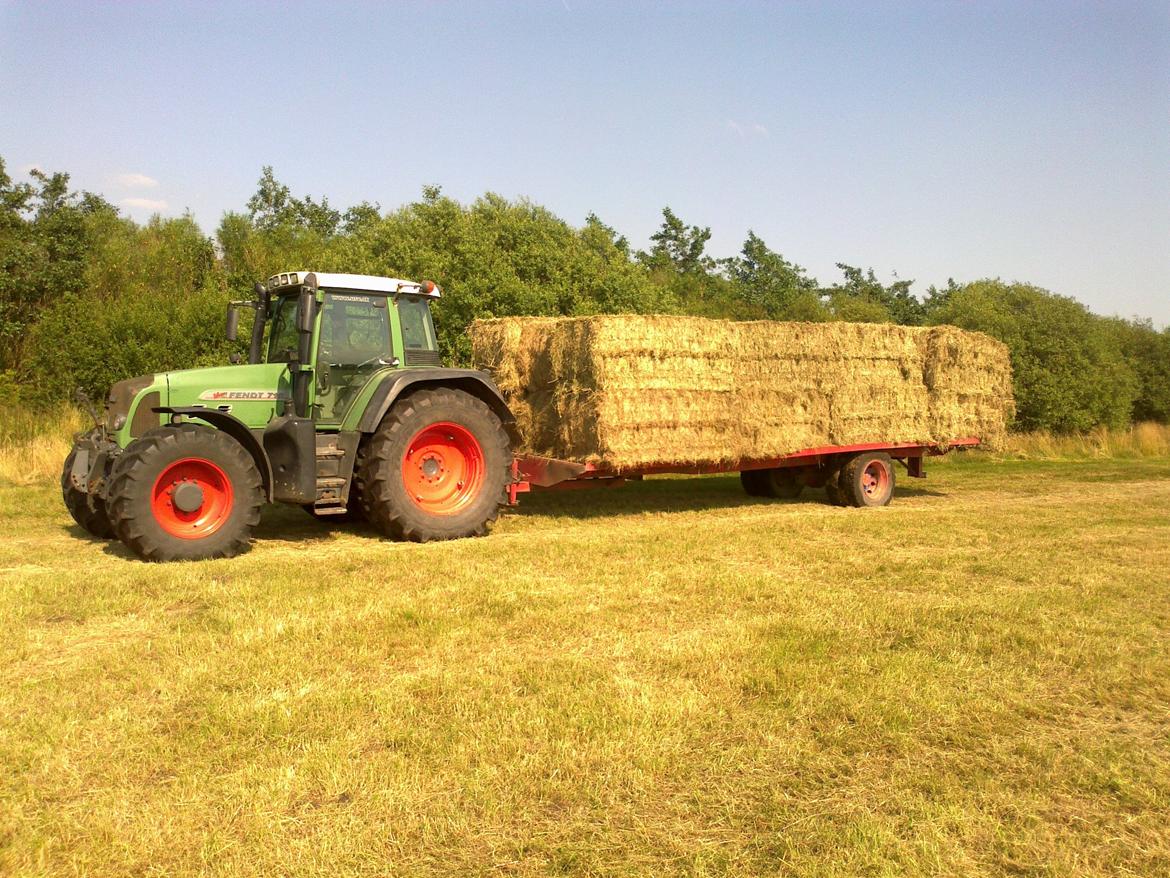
119 422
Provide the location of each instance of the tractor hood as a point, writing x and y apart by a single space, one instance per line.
253 393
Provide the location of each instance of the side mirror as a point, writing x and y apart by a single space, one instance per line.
305 310
233 323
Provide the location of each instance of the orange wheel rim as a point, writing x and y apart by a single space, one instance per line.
443 468
191 498
875 478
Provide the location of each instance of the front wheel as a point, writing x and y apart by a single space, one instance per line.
436 468
88 510
184 493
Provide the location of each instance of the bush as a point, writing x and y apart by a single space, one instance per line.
1069 370
153 299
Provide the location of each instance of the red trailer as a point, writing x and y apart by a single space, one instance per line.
852 475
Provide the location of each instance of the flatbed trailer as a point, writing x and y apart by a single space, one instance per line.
852 475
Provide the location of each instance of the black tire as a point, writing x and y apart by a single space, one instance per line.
88 510
389 505
781 483
867 479
754 482
140 466
833 484
784 483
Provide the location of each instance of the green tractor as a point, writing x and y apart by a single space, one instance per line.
343 408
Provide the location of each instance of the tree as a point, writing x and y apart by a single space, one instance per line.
1147 352
678 246
764 278
273 207
46 234
862 297
1069 372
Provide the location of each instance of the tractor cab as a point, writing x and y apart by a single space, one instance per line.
335 332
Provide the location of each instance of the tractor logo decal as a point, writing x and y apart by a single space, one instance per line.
240 395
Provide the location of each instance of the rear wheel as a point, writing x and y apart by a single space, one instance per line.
185 492
436 468
753 483
88 510
868 479
782 482
833 484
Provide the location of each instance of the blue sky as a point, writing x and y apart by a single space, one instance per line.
1029 141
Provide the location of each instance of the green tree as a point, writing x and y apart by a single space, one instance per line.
678 246
1069 371
1147 351
152 299
273 206
46 234
863 298
779 288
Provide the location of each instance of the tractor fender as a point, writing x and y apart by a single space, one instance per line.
234 427
478 384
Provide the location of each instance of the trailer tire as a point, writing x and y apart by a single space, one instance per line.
437 467
781 483
753 483
88 510
833 485
221 503
867 479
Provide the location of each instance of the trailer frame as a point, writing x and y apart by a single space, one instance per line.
531 472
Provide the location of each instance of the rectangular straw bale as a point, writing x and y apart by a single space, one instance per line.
629 391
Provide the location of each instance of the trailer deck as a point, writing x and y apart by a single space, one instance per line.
811 465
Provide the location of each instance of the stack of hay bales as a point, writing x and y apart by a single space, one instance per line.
629 391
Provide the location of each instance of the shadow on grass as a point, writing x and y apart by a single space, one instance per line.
652 496
668 495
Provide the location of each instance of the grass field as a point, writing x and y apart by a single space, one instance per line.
667 678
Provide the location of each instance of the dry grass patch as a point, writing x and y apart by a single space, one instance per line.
667 678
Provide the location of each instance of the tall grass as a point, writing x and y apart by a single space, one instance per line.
34 443
1140 440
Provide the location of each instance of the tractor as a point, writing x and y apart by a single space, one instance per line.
343 408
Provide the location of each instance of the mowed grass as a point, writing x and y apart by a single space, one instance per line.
665 678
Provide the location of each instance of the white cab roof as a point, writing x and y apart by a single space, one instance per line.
370 282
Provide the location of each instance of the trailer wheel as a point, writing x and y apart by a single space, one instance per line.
754 484
867 479
782 483
833 484
88 510
436 468
185 493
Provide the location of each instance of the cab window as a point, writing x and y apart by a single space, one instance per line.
418 331
282 336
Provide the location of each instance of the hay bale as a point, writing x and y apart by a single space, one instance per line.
631 391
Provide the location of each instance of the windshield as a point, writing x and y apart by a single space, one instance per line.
354 330
282 336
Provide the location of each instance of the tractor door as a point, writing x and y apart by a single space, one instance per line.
353 343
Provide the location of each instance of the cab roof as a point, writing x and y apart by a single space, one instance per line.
368 282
